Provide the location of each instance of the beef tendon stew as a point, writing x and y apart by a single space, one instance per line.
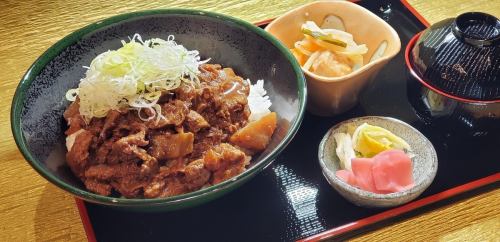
162 133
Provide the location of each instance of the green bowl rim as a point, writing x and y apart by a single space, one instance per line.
57 48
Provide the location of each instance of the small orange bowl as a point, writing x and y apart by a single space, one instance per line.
333 95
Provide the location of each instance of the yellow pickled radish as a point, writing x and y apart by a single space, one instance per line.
370 140
369 146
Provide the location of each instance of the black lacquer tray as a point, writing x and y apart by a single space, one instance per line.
291 200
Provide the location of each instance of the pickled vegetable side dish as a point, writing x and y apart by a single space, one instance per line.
328 52
374 159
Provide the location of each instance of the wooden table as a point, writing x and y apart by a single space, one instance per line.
32 209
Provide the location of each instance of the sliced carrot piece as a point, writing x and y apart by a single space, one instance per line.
301 58
310 46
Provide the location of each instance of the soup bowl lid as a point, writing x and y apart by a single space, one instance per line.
460 57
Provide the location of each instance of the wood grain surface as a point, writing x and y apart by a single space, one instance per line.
31 209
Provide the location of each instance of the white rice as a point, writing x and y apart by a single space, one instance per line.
258 101
70 139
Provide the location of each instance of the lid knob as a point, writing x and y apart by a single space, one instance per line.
477 29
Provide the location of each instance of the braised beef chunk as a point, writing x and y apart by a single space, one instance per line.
123 149
184 149
186 93
171 146
109 122
103 151
195 122
169 186
73 118
223 99
72 111
100 172
209 72
175 180
225 161
171 167
129 186
235 91
124 144
77 156
154 188
98 187
149 164
196 175
173 112
206 139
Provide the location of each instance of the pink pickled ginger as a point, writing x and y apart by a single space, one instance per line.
392 171
387 172
362 169
347 176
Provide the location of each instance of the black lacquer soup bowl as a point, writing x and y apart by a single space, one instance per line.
454 73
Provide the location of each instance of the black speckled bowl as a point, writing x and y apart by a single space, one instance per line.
39 102
425 163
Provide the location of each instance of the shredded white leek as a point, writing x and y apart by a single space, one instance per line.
134 77
344 150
